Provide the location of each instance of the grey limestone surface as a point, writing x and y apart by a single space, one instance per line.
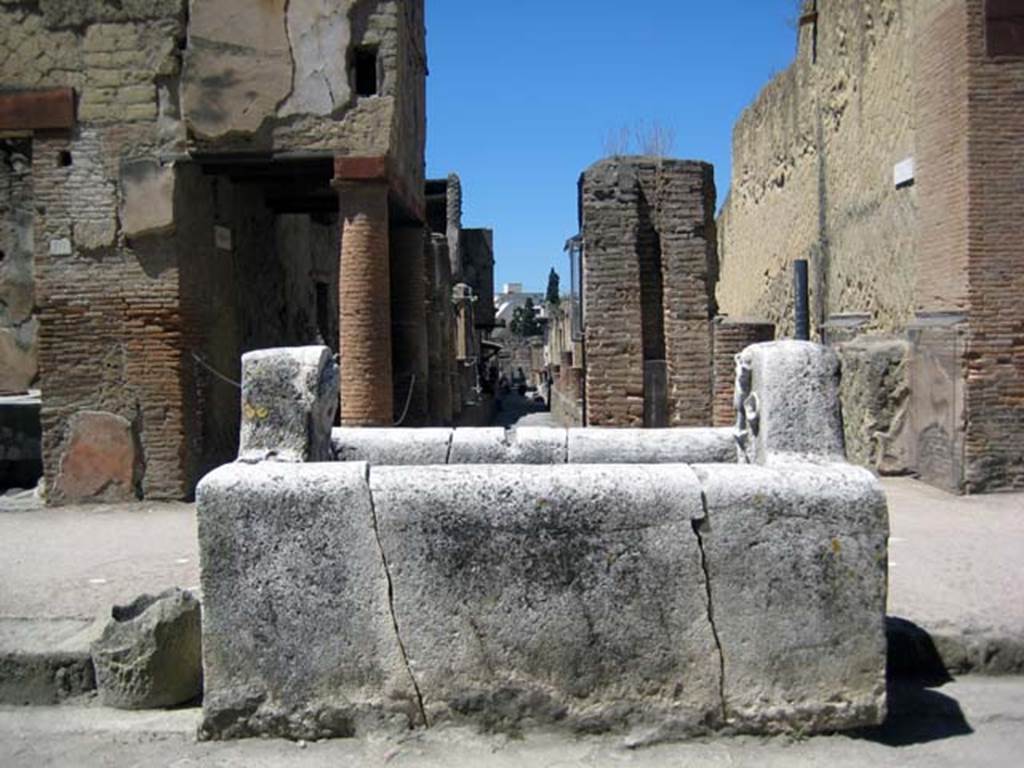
538 445
289 398
954 571
392 445
678 445
149 654
796 561
530 444
554 594
479 445
298 637
653 599
787 397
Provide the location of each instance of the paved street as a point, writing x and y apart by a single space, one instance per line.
955 567
976 721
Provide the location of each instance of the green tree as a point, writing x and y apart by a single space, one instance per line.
524 320
553 296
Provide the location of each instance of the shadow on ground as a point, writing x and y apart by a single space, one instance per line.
512 406
917 713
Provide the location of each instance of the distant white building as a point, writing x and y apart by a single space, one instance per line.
505 304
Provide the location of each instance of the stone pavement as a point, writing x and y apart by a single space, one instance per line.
975 721
955 571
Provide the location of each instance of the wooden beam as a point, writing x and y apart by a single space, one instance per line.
39 110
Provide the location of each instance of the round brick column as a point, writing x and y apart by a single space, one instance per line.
365 305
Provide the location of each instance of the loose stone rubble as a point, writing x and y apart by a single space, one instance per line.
656 600
149 654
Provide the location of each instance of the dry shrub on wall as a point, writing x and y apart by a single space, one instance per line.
654 139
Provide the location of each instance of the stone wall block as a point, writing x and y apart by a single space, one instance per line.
392 446
683 445
298 638
289 399
554 594
147 198
875 392
796 562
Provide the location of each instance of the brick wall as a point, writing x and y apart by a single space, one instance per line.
111 335
648 274
994 446
940 97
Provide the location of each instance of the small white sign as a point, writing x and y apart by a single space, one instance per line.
903 173
222 238
60 247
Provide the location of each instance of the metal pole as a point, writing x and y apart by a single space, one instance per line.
801 303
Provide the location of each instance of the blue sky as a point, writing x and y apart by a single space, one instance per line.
523 95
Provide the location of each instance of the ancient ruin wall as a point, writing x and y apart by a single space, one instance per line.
111 331
478 271
128 276
649 271
812 175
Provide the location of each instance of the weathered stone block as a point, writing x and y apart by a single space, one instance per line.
320 83
147 198
100 462
658 600
538 445
237 67
796 561
787 398
479 445
95 234
382 446
150 652
495 445
18 363
289 398
298 638
683 445
875 392
529 594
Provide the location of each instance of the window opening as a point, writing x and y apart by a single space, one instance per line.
366 70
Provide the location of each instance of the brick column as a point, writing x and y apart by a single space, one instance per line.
365 305
409 324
